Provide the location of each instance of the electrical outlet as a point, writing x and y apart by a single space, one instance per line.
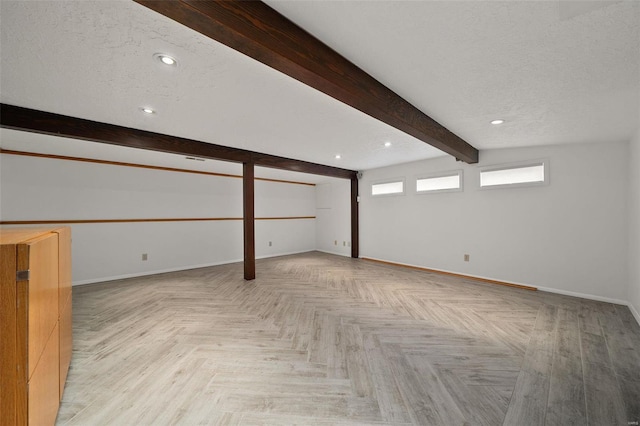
144 256
270 244
466 257
335 242
344 244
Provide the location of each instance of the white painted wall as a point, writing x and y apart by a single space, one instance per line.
38 188
569 236
333 217
634 225
274 199
573 236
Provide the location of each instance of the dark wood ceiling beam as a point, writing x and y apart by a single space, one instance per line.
258 31
30 120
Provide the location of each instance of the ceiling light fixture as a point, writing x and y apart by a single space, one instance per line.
338 156
165 59
387 144
147 110
498 121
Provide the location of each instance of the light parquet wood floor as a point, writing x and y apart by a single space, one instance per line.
321 339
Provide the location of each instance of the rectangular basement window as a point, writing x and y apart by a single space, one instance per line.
532 173
394 187
441 182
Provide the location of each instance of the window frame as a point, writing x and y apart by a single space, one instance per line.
389 180
516 165
447 173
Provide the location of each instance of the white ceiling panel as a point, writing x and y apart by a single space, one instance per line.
556 72
93 60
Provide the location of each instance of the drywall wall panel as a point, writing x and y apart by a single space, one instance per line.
333 217
634 225
569 236
284 236
275 199
281 237
51 189
102 252
42 188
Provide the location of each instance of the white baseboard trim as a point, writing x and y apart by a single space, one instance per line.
459 274
178 268
156 272
584 296
547 289
634 311
333 252
267 256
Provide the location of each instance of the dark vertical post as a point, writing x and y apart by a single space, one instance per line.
249 221
355 234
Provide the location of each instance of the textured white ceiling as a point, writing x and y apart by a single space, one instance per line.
94 60
558 72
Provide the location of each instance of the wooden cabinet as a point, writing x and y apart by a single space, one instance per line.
35 323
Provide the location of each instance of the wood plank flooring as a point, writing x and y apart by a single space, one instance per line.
323 340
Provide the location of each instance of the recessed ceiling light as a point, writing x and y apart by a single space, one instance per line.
496 122
148 110
165 59
338 156
387 144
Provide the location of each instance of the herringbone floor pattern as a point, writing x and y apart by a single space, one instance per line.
320 339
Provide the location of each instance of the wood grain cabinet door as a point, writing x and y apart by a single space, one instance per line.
37 327
65 303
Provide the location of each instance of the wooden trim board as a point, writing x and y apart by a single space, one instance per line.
183 219
453 274
141 166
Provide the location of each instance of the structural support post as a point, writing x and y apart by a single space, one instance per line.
355 234
249 221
